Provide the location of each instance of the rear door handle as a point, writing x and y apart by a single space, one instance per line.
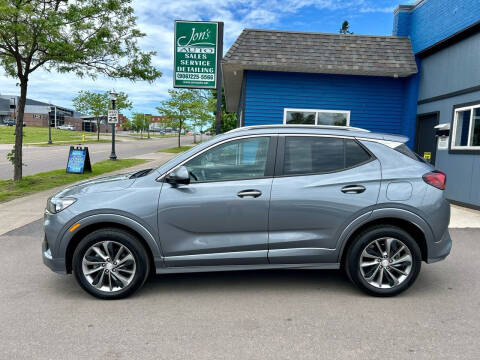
250 192
353 189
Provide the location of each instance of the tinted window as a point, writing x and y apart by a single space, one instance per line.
354 154
300 117
403 149
235 160
308 155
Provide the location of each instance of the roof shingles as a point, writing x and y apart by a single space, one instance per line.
322 53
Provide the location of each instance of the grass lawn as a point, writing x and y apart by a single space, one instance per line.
10 190
176 150
37 134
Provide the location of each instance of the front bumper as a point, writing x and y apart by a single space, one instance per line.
440 249
55 264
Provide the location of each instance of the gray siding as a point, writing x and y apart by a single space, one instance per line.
463 170
452 69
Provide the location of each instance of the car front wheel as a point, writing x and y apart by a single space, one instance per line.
383 261
110 264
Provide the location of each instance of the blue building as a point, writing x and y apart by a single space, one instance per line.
422 82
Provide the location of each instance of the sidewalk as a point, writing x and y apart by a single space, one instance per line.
24 210
462 217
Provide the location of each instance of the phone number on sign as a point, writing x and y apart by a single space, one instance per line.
194 76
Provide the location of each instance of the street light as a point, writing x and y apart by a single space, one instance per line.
113 98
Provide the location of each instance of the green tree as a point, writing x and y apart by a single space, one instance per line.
85 37
139 123
97 105
345 29
178 108
200 112
146 123
229 120
126 124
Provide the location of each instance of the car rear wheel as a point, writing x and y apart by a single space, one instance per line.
383 261
110 264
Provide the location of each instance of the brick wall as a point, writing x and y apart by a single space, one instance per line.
35 119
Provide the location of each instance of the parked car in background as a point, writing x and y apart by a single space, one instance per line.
66 127
11 122
266 197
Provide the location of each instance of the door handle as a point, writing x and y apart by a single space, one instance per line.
353 189
250 192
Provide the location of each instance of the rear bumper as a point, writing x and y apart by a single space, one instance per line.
56 265
440 249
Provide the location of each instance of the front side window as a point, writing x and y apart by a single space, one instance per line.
235 160
466 128
315 155
316 117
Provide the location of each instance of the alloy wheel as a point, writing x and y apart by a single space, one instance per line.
108 266
385 263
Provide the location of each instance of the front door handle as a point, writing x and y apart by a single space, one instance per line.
353 189
250 192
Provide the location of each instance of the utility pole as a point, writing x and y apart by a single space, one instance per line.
49 123
113 98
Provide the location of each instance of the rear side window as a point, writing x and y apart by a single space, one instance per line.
354 154
313 155
403 149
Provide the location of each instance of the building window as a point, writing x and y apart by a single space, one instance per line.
466 128
316 117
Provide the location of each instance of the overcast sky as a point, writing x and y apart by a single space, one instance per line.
156 17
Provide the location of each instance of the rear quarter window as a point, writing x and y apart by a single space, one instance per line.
404 149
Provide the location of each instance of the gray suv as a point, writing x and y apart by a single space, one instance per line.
266 197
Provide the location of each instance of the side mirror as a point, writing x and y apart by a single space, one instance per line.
179 176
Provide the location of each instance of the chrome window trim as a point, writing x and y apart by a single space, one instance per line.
373 157
389 143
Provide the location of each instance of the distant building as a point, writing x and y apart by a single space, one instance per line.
38 113
157 122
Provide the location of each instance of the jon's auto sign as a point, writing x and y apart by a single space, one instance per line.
196 46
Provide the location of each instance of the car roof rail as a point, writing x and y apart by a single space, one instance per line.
329 127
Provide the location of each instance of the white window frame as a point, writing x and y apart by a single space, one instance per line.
316 111
454 146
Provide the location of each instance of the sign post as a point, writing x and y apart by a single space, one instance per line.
113 119
198 55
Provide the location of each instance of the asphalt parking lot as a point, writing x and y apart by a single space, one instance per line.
245 315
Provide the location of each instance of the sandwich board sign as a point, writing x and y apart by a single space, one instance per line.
112 116
78 160
196 54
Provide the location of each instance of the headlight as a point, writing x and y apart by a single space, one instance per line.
56 205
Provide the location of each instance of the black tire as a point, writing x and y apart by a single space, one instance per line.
127 240
352 261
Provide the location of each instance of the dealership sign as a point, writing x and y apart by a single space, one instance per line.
196 52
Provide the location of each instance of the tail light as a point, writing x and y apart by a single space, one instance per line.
436 178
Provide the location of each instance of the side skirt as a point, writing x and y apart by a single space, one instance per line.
192 269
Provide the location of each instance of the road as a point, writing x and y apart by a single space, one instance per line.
45 158
244 315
